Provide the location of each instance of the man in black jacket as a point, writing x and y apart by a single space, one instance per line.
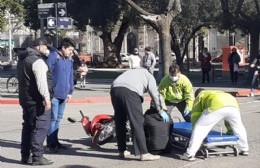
35 90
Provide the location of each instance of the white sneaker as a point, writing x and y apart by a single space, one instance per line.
187 157
124 154
149 157
244 153
252 94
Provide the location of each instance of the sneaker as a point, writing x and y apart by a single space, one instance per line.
149 157
252 94
61 146
124 154
52 149
244 153
42 161
27 160
187 157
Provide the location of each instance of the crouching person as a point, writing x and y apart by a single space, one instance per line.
209 108
127 93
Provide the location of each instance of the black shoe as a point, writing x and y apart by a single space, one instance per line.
42 161
26 160
61 146
52 149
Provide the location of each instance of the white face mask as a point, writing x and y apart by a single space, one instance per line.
174 78
47 52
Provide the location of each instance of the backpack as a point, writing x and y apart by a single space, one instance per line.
157 132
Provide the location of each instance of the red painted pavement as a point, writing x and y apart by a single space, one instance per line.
72 101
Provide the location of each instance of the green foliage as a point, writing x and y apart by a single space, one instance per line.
14 7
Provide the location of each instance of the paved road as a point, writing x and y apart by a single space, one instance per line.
82 154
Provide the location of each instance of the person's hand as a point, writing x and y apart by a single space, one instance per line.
252 65
186 112
68 98
164 115
47 104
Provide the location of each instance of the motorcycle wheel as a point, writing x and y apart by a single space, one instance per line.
105 134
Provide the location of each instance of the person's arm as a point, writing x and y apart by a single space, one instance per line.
196 111
253 63
163 87
209 57
71 81
40 70
51 61
188 94
153 60
130 62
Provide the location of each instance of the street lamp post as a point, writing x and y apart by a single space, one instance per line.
9 17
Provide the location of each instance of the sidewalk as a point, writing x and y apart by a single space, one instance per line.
98 90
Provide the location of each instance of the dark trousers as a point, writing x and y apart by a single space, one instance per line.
34 131
253 83
205 74
180 106
128 104
233 75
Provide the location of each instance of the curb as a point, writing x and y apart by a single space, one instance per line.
6 101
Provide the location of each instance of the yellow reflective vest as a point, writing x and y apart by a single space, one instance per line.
178 91
211 100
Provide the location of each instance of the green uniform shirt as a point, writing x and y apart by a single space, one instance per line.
176 92
211 100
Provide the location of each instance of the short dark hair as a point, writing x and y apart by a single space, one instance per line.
148 48
39 41
67 42
174 68
197 92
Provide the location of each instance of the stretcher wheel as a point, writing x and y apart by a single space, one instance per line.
206 153
235 151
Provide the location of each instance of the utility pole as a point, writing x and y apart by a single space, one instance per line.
41 25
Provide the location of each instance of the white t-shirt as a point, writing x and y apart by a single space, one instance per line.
134 61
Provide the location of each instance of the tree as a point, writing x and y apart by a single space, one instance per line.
105 19
195 15
14 7
159 15
245 15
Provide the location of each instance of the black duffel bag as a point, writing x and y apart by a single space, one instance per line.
157 132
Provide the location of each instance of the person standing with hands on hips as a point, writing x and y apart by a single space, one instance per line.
177 90
149 60
35 93
61 65
127 93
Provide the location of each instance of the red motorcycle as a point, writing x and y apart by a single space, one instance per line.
101 128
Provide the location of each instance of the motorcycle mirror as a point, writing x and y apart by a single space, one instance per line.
72 120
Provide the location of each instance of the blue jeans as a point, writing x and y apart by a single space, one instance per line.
57 110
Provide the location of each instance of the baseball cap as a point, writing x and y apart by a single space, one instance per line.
39 41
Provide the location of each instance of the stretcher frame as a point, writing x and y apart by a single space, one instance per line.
211 145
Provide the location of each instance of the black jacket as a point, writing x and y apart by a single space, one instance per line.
28 89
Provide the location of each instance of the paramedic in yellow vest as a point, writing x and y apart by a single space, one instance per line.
209 108
177 90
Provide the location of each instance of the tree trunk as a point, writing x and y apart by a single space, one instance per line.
254 43
110 60
166 49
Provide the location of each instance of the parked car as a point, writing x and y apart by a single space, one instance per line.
124 56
